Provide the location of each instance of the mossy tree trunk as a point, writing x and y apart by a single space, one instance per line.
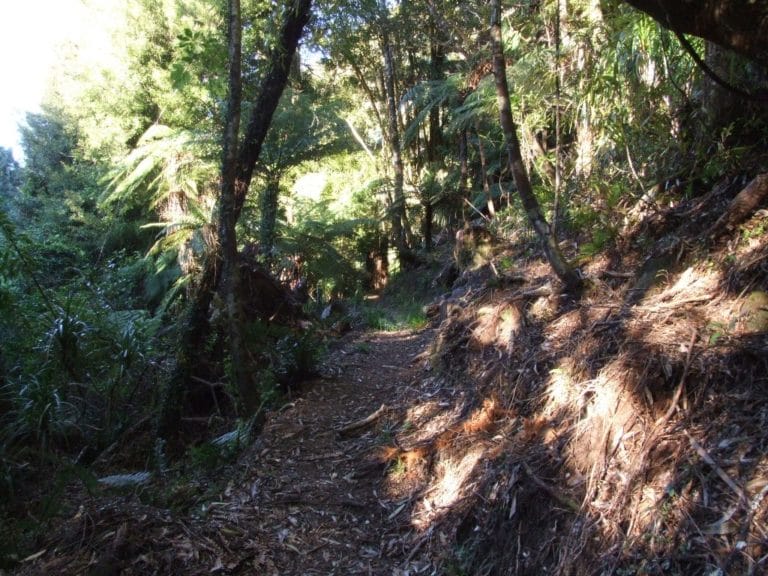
242 369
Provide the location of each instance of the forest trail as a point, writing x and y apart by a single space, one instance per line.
302 499
320 503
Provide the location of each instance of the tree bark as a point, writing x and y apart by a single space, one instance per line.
242 370
437 61
484 174
558 132
463 171
743 205
741 25
196 327
393 135
563 270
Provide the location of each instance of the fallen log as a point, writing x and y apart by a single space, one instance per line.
744 204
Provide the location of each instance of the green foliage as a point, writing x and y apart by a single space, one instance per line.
223 448
286 355
103 231
412 318
401 304
10 180
602 236
331 264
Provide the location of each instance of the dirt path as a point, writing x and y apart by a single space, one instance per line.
302 500
318 493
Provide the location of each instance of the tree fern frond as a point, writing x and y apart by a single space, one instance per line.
426 96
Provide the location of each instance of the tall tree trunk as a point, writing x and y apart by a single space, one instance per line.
436 73
196 327
437 60
484 174
399 219
556 208
563 270
463 171
241 366
720 106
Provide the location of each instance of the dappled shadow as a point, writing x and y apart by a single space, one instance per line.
630 425
525 432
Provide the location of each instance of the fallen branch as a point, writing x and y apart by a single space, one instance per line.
719 471
675 304
545 290
363 422
613 274
417 546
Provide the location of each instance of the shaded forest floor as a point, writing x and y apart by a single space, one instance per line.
308 497
623 430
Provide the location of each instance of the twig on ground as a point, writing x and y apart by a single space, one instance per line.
417 547
572 505
719 471
675 303
363 422
681 385
613 274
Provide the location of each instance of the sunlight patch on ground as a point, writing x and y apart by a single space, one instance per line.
449 488
560 387
692 283
402 335
599 411
432 419
496 326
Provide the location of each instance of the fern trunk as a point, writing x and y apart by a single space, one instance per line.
269 204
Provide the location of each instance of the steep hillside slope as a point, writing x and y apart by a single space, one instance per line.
621 431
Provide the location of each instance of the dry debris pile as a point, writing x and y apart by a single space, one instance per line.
624 431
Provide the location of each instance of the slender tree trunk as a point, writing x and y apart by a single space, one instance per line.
463 171
563 270
437 65
269 204
372 99
484 174
437 59
241 365
393 133
194 329
556 208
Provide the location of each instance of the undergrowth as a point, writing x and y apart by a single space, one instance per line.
400 305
